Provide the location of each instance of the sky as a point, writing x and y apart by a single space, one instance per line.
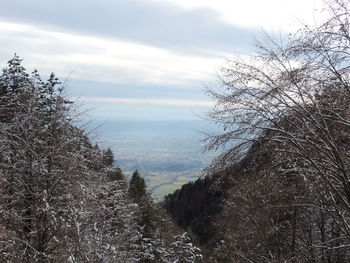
141 59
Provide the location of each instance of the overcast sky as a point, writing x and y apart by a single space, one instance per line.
141 59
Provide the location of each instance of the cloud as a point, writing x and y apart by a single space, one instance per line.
152 23
102 59
268 14
85 88
115 108
123 57
155 101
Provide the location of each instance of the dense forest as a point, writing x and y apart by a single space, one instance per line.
62 198
279 192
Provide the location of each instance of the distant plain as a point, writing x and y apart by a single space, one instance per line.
167 153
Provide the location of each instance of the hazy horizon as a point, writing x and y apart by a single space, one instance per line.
168 153
141 59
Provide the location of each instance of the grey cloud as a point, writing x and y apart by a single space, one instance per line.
157 24
87 88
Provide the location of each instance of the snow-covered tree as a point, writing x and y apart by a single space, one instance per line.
41 164
295 93
61 198
183 250
109 231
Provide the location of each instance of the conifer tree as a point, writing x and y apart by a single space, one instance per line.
61 198
41 164
183 251
137 187
108 157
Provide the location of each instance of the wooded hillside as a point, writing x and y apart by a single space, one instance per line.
61 197
285 171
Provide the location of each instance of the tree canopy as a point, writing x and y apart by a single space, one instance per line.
289 103
61 198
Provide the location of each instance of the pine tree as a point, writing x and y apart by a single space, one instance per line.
61 198
41 164
108 157
109 232
183 251
137 187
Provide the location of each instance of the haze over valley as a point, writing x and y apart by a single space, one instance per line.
167 153
173 131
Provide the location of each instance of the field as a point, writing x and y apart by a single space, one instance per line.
168 154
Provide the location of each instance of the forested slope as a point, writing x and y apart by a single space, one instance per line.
194 205
62 199
197 204
284 174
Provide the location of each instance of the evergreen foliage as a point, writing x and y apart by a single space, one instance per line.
137 187
195 205
184 251
61 198
42 161
108 157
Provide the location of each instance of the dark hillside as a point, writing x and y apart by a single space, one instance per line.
194 205
197 203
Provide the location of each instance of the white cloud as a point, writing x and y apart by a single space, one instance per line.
101 59
268 14
166 101
150 56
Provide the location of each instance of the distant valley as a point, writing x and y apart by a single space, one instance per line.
167 153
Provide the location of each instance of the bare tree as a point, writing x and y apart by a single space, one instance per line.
296 93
